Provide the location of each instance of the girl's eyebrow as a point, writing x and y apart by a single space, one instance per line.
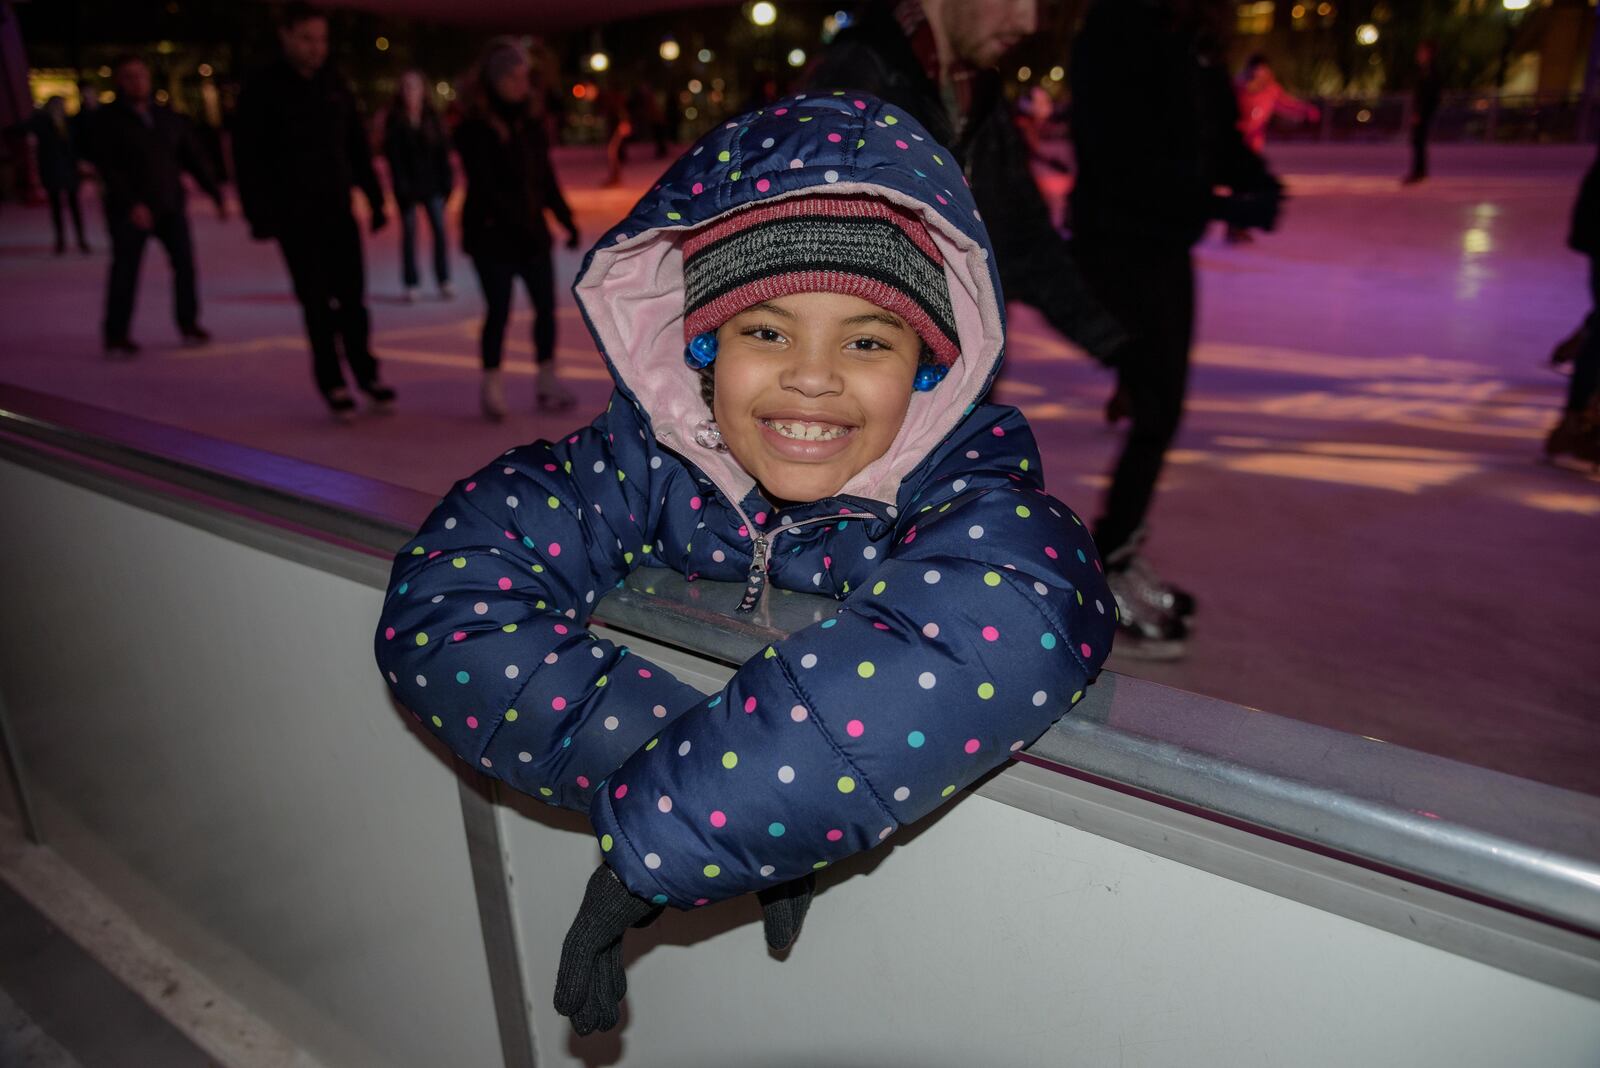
771 308
875 317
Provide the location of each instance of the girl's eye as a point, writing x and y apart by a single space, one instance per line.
763 333
867 344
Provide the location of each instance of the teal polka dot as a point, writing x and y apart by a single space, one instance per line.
463 678
915 739
1047 640
404 586
775 829
659 899
826 623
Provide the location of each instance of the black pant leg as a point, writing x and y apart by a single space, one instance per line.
407 211
1419 149
56 196
172 230
441 240
350 298
495 278
538 274
306 259
77 214
127 249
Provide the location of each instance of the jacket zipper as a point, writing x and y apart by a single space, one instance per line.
755 582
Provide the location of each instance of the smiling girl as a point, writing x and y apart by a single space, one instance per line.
801 319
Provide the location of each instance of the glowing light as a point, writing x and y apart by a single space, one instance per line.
705 55
1298 11
442 88
161 96
104 72
1324 10
1476 242
1367 33
579 91
1514 5
763 13
1363 115
695 85
797 57
381 44
691 113
1057 73
599 61
165 47
205 70
1024 73
670 50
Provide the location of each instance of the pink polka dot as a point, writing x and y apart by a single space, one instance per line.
749 705
827 561
472 721
459 635
798 713
744 531
972 745
697 189
763 185
510 535
583 781
860 104
881 626
573 440
561 628
555 548
504 584
901 144
998 432
435 552
940 199
558 703
701 901
835 834
644 673
907 539
855 728
388 632
1050 552
835 138
471 486
695 503
991 634
781 111
719 819
620 792
549 467
1085 650
761 517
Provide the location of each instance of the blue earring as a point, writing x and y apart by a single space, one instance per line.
701 351
928 376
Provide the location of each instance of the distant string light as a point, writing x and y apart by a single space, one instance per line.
763 14
1057 73
382 44
1515 5
205 70
1367 33
670 50
599 61
696 85
1024 73
797 57
705 55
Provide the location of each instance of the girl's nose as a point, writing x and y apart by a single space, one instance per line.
813 372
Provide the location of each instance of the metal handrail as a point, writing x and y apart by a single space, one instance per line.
1509 842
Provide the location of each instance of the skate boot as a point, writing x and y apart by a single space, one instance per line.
1143 584
1143 631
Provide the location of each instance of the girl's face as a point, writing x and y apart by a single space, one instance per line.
811 388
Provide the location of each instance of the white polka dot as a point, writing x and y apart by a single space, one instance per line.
655 463
422 680
902 792
1016 745
930 630
830 175
481 608
959 484
683 750
436 598
796 164
652 861
1040 588
485 762
597 652
767 870
816 579
551 658
1100 606
972 454
525 756
886 832
784 520
1039 698
927 680
786 774
930 576
393 679
512 502
975 532
870 552
892 511
809 660
664 803
450 524
659 711
719 556
599 466
798 713
588 598
768 143
611 723
512 671
508 470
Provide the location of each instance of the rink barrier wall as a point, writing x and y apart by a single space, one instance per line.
1483 865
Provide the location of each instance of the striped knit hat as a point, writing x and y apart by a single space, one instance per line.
857 245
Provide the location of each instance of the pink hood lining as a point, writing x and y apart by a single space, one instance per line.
632 293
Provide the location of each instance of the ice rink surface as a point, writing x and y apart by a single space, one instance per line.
1356 497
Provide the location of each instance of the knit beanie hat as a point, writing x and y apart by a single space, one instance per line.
857 245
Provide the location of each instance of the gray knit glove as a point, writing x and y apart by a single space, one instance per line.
590 984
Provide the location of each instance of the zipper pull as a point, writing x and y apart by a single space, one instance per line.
756 580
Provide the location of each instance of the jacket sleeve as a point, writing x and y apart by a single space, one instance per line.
249 161
556 201
193 159
359 148
983 626
483 633
393 151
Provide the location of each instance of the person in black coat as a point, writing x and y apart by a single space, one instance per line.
1578 433
917 57
141 151
299 145
418 151
510 185
1425 97
56 150
1155 131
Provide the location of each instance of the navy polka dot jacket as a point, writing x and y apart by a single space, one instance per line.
972 609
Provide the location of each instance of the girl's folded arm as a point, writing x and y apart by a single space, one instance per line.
982 627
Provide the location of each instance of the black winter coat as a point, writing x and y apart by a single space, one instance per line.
299 144
419 156
510 184
1035 262
142 162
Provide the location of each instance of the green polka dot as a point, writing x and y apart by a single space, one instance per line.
511 715
1080 596
1047 640
437 722
846 588
846 784
890 120
605 843
601 681
1022 510
463 678
879 587
538 569
627 558
865 669
418 551
554 502
510 628
770 653
645 549
674 216
1023 465
537 604
422 639
947 791
806 118
819 865
938 159
711 871
545 791
735 175
861 142
1077 696
915 739
992 578
567 467
723 156
775 829
622 476
986 690
651 744
460 561
730 760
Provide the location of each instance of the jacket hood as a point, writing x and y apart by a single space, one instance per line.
631 289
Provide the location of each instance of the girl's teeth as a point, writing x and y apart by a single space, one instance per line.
807 431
